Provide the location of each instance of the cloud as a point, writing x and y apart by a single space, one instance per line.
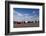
24 17
33 11
19 14
26 14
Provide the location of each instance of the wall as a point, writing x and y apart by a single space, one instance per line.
2 18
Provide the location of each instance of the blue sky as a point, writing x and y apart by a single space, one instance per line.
25 14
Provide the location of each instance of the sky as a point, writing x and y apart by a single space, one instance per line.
25 14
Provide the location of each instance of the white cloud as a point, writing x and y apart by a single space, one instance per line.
33 11
26 14
19 14
24 17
